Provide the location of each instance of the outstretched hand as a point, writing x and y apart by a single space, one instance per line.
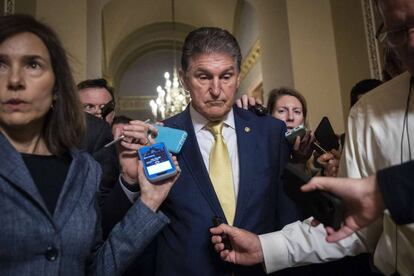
361 197
247 249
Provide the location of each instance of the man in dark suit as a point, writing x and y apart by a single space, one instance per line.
252 152
98 134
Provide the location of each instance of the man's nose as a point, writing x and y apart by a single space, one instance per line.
215 88
98 111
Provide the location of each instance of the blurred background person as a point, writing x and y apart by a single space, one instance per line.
97 98
361 88
288 105
329 162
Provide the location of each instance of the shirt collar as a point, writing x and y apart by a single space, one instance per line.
199 121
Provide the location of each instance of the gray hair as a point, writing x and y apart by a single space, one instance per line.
207 40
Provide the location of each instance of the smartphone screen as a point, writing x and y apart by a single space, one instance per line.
157 163
156 160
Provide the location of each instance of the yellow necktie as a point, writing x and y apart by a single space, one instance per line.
221 173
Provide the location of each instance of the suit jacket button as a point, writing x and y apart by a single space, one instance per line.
51 253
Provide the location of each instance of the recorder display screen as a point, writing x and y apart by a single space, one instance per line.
156 160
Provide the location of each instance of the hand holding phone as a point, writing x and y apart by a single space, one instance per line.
157 162
154 194
292 134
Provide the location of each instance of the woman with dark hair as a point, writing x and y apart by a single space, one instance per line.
50 223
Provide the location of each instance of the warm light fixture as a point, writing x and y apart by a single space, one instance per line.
171 99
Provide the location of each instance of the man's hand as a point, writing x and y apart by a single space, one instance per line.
154 194
136 136
329 162
361 198
247 249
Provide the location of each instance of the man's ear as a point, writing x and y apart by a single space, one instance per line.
181 75
238 81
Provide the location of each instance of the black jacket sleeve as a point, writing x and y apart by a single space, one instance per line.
98 134
397 188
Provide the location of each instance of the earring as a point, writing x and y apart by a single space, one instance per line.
52 105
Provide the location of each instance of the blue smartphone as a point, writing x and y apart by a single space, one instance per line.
157 162
172 138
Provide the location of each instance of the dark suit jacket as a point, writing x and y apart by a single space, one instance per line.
98 134
34 242
397 188
184 247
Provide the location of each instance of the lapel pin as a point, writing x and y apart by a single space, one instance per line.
247 129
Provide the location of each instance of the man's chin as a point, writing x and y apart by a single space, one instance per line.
216 113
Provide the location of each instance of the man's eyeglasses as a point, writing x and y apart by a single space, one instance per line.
395 37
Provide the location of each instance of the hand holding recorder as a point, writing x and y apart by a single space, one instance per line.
302 140
362 199
153 194
323 206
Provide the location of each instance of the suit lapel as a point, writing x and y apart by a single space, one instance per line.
15 171
246 147
191 155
